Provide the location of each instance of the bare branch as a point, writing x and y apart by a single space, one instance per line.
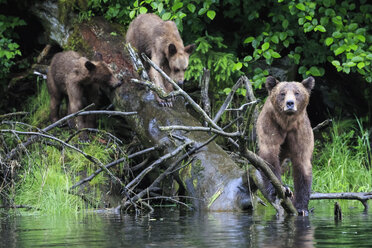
204 129
94 174
204 92
263 167
140 176
228 100
12 114
362 197
322 125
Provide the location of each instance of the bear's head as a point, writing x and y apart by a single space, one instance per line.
290 98
178 59
100 72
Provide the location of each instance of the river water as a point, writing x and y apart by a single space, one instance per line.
173 228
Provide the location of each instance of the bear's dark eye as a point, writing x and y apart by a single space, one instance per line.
282 94
297 93
176 70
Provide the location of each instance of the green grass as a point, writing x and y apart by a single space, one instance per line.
46 173
341 163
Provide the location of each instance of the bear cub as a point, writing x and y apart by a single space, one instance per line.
284 131
162 43
79 80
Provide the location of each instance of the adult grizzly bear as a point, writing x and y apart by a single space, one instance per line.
160 41
284 131
79 79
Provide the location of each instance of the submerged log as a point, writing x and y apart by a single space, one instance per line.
212 179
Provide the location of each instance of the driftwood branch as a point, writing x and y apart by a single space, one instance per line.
32 139
204 129
140 176
362 197
263 167
12 114
121 160
322 125
228 100
204 85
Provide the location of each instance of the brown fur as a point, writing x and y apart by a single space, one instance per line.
75 77
160 41
284 131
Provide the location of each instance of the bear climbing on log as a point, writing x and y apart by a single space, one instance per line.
284 131
162 43
79 80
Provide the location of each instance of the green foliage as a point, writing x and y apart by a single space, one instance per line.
313 33
341 163
8 48
208 54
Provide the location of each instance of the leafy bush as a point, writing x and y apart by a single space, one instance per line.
313 33
8 48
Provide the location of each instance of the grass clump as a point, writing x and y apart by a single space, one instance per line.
341 161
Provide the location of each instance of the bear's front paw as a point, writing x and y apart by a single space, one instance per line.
288 192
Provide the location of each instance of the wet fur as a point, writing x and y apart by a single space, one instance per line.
286 134
160 41
79 80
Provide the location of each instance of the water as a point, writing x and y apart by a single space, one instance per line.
174 228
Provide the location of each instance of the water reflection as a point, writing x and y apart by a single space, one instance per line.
169 228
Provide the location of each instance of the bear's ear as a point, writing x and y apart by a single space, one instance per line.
90 66
271 82
309 83
190 48
172 50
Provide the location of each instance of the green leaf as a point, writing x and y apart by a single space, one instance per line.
191 7
211 14
265 46
283 35
300 6
315 71
248 40
177 6
166 16
132 14
202 11
329 41
248 58
302 69
357 59
320 28
362 38
285 24
143 10
274 54
353 26
336 63
337 34
237 66
361 65
339 50
286 43
301 21
275 39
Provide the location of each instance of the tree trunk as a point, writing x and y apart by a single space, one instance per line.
212 179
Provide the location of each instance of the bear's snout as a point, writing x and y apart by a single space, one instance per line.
290 104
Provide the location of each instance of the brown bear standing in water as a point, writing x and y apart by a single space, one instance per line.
160 41
75 77
284 131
